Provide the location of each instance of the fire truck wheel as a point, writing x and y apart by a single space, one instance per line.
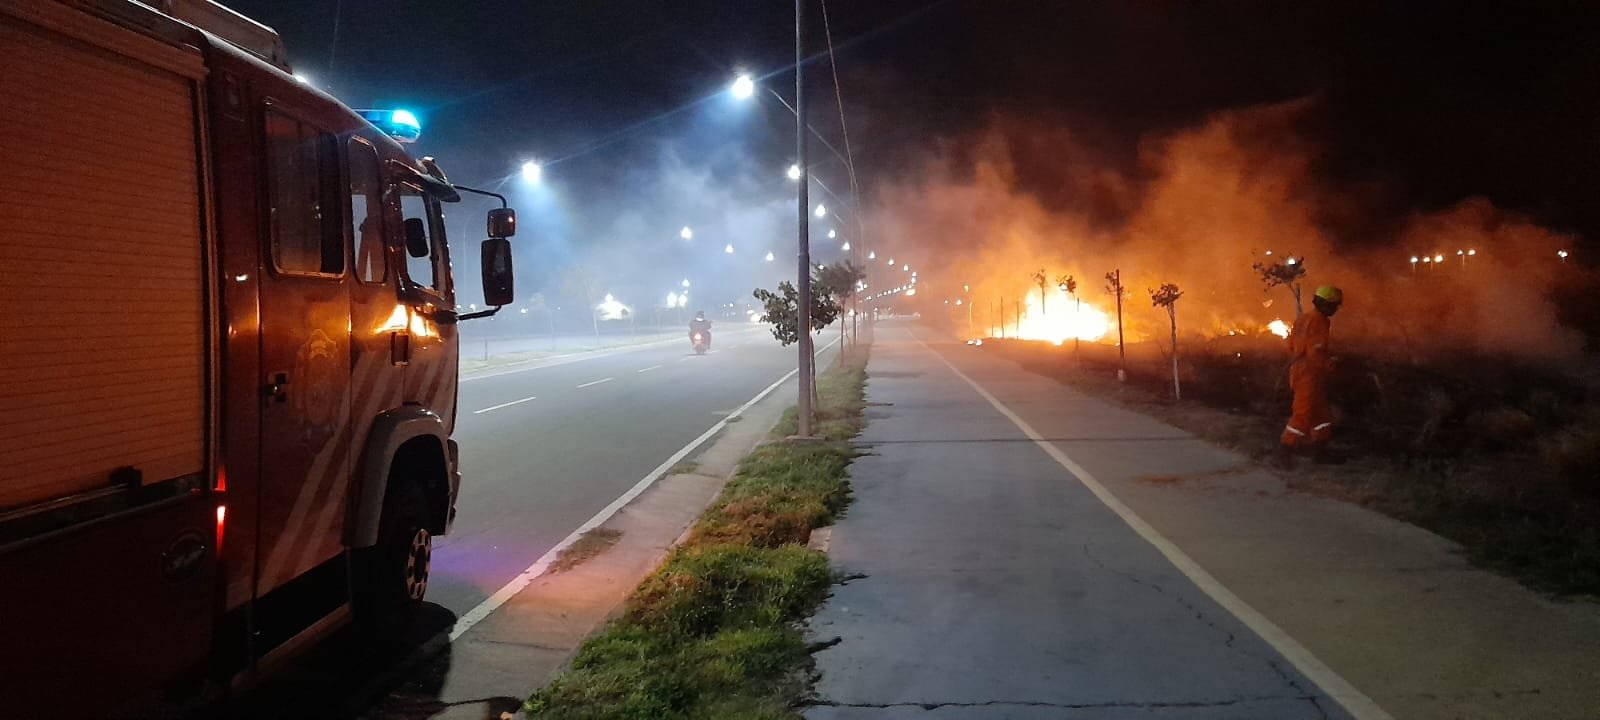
392 576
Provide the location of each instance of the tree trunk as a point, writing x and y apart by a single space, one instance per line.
1172 316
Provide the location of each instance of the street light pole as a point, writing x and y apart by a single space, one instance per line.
803 424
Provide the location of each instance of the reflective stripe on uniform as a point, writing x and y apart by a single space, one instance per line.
1291 428
1323 426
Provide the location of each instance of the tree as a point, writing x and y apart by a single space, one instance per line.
579 284
1069 285
1289 273
783 309
1167 297
1114 286
1040 278
840 280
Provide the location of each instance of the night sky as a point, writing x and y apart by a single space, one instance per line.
1432 101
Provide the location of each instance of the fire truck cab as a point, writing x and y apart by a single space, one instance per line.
228 355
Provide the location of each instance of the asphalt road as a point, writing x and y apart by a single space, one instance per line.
546 446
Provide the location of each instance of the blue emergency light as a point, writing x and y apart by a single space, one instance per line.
401 125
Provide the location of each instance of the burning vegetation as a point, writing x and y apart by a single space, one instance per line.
1463 400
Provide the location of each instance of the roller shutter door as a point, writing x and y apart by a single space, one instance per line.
102 344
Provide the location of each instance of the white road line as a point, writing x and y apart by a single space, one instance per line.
597 382
648 369
539 567
1352 700
503 405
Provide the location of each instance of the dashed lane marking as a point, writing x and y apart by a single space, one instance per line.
504 405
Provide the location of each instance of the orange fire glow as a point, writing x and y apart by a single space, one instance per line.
1279 328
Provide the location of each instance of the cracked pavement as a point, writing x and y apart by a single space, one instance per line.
997 586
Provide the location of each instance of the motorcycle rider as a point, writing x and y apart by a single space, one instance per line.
700 325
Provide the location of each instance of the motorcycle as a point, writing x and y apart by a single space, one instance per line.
701 341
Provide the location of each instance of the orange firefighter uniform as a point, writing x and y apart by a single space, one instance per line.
1310 365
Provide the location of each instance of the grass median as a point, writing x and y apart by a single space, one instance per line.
714 633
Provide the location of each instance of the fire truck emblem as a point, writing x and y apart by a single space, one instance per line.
320 378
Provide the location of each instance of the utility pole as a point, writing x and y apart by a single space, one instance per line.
803 424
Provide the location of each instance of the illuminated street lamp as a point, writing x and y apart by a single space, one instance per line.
832 234
532 172
846 246
1438 258
686 233
728 249
769 256
822 210
686 282
794 172
1562 254
872 255
743 87
1413 264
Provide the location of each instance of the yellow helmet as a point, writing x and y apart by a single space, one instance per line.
1331 294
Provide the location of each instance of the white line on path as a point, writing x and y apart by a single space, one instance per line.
597 382
503 405
1352 700
648 369
524 578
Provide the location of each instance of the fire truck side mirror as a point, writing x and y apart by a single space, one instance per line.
502 223
416 238
498 281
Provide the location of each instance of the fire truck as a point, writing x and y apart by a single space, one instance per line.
228 356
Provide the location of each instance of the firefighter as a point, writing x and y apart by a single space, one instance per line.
1310 365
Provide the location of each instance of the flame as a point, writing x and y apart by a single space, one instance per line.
1063 318
1279 328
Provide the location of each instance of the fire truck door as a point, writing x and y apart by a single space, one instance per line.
305 354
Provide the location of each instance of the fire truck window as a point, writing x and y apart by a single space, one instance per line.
303 165
421 270
366 213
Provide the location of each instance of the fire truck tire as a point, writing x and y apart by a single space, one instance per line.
392 576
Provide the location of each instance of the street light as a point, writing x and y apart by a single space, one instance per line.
769 256
822 210
532 171
728 249
794 172
1562 254
846 246
686 282
873 255
832 234
686 233
743 87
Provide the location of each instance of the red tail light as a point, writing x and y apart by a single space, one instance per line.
222 521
